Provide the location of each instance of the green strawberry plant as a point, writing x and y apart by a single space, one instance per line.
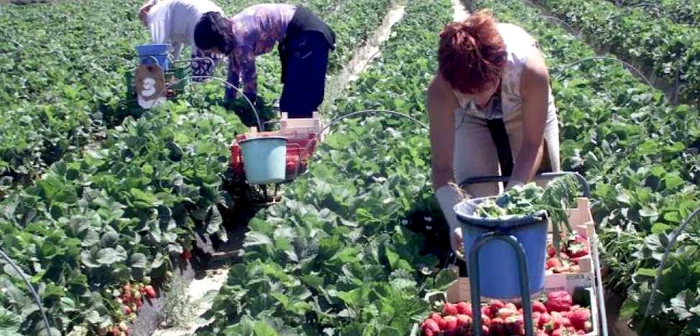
662 45
679 11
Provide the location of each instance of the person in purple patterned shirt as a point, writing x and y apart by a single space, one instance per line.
304 42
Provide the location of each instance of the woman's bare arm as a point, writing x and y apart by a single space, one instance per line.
534 88
441 106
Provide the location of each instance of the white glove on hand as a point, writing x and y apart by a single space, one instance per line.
448 197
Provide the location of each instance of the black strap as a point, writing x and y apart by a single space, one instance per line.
499 135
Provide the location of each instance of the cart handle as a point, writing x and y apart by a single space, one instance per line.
585 187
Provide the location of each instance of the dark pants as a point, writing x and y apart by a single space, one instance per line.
304 74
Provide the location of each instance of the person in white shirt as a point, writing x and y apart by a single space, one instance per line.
173 22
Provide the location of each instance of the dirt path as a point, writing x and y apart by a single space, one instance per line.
364 55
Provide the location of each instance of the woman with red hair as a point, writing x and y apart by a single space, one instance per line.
490 105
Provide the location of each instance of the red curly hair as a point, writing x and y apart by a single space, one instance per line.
472 54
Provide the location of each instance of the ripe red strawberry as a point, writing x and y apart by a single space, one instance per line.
485 320
150 292
438 319
139 304
464 320
127 310
576 247
186 254
430 327
579 317
535 318
428 332
485 311
544 320
450 323
558 322
449 309
495 306
515 325
564 321
553 262
505 313
539 307
551 251
558 301
559 332
498 327
464 308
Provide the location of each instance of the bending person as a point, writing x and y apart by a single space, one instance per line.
304 45
490 98
173 22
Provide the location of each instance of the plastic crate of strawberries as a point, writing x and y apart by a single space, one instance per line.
553 315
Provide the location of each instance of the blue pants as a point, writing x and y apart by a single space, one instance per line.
304 66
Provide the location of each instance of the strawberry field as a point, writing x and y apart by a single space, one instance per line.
102 202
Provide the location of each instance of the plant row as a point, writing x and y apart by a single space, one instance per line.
679 11
665 48
336 255
640 156
117 212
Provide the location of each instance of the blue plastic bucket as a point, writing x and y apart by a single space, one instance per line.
498 264
154 53
264 159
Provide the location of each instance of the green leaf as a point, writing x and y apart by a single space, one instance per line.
9 270
673 180
660 228
678 306
138 260
648 272
67 304
646 212
107 256
628 309
263 329
146 199
109 239
213 220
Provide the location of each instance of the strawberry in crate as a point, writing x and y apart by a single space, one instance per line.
574 248
554 314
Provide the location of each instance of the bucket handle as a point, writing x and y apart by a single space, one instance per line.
585 187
